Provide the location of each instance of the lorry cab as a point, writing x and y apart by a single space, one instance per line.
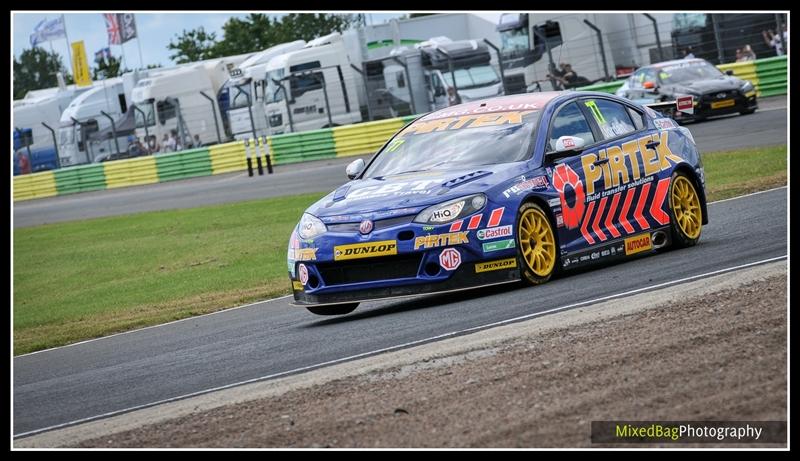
311 88
243 93
83 117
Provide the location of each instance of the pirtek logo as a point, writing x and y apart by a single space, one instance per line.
365 250
433 241
647 156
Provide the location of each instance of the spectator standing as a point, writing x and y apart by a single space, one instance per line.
152 145
747 54
176 141
773 41
167 144
197 142
23 162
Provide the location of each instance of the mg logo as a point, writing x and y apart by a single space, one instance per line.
721 95
450 259
365 227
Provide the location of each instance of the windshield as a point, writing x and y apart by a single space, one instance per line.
688 72
147 109
274 92
514 39
66 135
473 77
462 141
240 96
682 21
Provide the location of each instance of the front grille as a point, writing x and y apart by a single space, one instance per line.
379 225
370 269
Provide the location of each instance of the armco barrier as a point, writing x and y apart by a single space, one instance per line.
772 75
302 147
768 76
184 164
132 172
82 178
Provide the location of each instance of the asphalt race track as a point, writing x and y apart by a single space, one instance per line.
765 127
113 374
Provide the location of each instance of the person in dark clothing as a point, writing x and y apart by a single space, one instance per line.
567 77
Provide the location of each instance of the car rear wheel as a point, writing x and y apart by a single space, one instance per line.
336 309
687 214
537 244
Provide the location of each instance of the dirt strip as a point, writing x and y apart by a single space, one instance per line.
713 349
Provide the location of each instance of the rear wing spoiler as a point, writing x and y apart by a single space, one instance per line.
684 104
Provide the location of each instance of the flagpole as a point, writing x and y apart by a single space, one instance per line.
69 50
139 44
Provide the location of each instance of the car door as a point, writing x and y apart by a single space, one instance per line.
567 174
626 175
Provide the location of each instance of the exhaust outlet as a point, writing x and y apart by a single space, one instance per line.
659 239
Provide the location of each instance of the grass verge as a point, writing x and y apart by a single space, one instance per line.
85 279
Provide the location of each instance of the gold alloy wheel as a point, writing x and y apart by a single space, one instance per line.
537 242
686 207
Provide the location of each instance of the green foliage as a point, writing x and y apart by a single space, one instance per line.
36 69
194 45
257 32
108 68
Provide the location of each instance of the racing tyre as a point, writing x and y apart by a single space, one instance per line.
337 309
537 249
687 214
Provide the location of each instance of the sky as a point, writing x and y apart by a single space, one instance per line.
154 29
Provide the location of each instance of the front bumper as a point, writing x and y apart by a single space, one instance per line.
463 278
709 105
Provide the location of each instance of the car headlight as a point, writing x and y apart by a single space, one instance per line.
746 87
449 211
310 226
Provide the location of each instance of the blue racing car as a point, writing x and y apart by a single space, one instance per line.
496 191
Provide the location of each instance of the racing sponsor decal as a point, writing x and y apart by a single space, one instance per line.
610 198
450 259
483 110
498 245
553 202
536 183
303 270
638 244
655 157
559 220
495 232
610 250
686 104
564 176
466 121
365 250
305 254
428 228
441 240
397 189
664 123
496 265
297 286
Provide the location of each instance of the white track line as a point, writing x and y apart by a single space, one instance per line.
403 346
274 299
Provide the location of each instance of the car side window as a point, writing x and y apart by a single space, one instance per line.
649 75
637 78
569 121
637 117
612 117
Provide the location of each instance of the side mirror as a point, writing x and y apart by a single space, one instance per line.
565 147
355 168
729 72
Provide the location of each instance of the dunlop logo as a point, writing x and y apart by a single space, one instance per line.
496 265
365 250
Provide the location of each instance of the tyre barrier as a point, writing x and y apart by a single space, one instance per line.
768 76
343 141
